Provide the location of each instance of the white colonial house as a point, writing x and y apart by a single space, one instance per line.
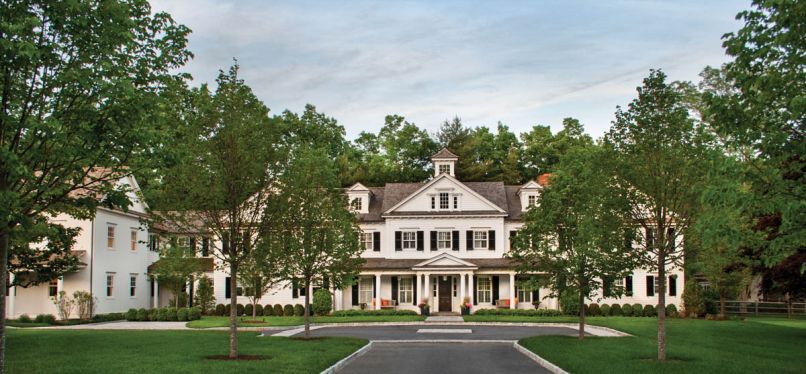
437 241
114 259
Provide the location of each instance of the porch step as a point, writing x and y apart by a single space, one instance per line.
439 319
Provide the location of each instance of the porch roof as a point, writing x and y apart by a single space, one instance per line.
408 264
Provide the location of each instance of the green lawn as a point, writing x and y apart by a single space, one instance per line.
693 346
217 321
92 351
492 318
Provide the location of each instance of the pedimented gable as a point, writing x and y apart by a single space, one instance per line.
460 198
134 194
444 261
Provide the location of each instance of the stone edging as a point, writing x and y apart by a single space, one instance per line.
343 362
540 360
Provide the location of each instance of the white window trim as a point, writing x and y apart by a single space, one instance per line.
476 239
447 200
526 293
440 240
369 241
357 204
410 242
405 290
133 240
114 234
133 276
110 288
486 290
441 166
365 285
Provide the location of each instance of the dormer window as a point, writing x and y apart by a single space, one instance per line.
445 169
532 200
356 204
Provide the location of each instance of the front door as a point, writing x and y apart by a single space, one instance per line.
445 294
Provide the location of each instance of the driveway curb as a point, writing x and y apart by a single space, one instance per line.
343 362
540 360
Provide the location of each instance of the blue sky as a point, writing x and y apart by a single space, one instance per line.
521 63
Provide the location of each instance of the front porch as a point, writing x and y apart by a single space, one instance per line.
443 283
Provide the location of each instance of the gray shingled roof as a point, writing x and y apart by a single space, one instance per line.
514 202
444 153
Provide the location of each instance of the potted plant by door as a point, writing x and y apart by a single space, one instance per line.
425 309
465 306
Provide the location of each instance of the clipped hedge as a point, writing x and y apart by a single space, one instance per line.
268 310
171 314
152 314
108 317
671 311
649 311
593 310
258 310
220 310
519 312
239 310
615 310
627 310
288 310
131 315
373 312
194 313
182 314
45 318
142 314
637 310
605 310
248 309
299 310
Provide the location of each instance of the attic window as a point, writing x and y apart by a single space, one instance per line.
444 202
532 200
356 204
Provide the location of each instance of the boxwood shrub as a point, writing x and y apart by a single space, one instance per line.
227 309
182 314
593 310
45 318
615 310
194 314
152 314
220 310
627 310
248 309
258 310
162 314
239 311
24 318
268 310
649 310
288 310
131 315
605 310
142 314
373 312
671 311
637 310
278 310
299 310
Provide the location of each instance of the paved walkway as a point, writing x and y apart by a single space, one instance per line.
433 332
121 325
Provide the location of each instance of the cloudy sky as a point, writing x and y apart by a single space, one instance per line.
521 63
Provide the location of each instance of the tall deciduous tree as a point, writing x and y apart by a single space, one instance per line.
314 236
258 273
225 179
542 150
763 119
80 82
177 267
575 233
659 148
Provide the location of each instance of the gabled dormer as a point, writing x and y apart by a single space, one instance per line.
529 193
444 162
358 198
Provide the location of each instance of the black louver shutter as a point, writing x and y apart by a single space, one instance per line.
536 295
294 289
469 240
495 288
672 286
455 244
227 289
491 240
355 293
433 240
376 241
628 285
398 241
394 288
475 290
420 241
650 285
416 292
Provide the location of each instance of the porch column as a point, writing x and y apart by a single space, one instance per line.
12 292
461 287
470 288
338 299
511 290
156 293
427 288
378 291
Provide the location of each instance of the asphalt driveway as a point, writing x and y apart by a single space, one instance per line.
460 358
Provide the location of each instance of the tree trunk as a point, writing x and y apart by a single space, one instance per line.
4 281
307 313
233 313
581 315
254 309
661 305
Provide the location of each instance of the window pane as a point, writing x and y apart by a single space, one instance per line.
405 293
443 200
